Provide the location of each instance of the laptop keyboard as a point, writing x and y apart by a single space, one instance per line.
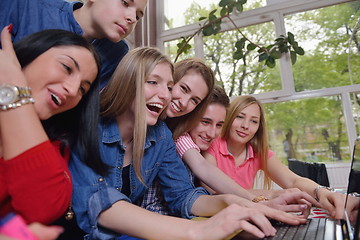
307 231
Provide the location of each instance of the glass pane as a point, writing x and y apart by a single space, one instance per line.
171 50
180 13
244 76
310 130
355 98
330 59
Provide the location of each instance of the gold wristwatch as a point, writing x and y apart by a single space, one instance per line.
14 96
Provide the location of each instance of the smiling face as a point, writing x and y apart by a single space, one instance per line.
157 91
114 19
245 125
209 126
59 78
187 93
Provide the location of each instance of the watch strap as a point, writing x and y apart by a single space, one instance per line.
24 92
17 104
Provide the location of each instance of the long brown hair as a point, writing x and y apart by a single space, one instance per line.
127 87
260 141
182 124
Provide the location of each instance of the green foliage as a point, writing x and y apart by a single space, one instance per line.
212 26
184 45
324 33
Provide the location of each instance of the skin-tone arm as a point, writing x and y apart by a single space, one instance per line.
331 201
289 201
216 181
18 133
126 218
43 232
213 176
21 130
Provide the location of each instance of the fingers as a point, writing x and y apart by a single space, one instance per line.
295 197
262 222
45 232
288 218
234 218
7 46
293 202
6 41
334 203
293 207
250 228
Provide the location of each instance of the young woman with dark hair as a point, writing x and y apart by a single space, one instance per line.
47 77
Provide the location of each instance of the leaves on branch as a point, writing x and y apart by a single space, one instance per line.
269 54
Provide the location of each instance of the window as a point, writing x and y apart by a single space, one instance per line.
317 98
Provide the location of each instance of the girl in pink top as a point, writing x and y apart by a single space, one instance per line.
243 149
244 174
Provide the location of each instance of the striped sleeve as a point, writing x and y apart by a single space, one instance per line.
184 143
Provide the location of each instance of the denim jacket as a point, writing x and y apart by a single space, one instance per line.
94 193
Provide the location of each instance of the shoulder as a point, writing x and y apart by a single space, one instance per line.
106 46
109 131
159 132
184 138
55 4
185 143
219 143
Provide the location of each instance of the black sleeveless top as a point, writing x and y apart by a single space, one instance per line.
126 180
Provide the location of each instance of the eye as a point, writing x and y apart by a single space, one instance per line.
67 68
84 88
170 88
195 101
205 122
137 18
240 117
152 82
219 125
184 89
125 3
255 121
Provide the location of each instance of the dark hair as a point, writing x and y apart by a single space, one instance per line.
219 96
74 124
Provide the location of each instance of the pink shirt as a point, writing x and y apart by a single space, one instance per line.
244 174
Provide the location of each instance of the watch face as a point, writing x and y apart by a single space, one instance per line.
7 95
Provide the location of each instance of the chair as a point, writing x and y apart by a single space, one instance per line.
314 171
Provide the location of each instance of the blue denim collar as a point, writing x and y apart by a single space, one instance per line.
111 133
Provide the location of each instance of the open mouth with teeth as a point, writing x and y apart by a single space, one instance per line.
206 139
56 99
175 107
154 107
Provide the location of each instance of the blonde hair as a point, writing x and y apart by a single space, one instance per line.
182 124
259 142
127 87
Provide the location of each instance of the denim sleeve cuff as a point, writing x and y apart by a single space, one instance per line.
189 201
99 202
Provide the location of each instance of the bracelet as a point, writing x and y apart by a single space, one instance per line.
259 199
17 104
317 189
354 194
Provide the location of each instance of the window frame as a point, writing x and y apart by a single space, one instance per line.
276 13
